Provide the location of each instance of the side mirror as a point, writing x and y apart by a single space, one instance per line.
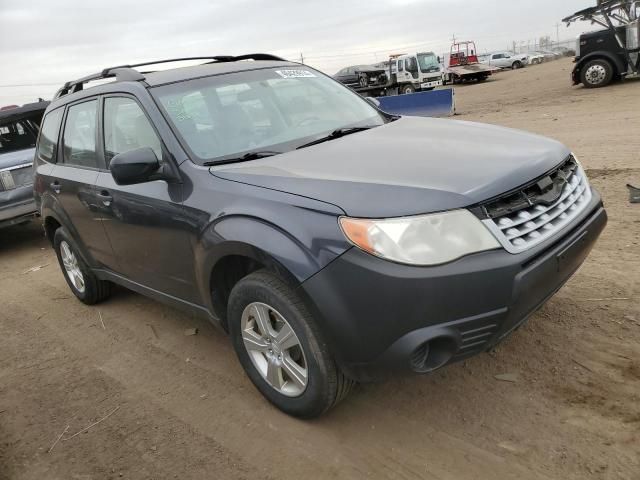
373 101
439 61
134 166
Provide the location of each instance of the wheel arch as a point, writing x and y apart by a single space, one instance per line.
50 224
236 246
616 63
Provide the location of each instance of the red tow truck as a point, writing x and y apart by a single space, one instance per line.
463 65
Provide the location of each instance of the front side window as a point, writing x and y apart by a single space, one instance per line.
126 127
48 143
275 109
79 140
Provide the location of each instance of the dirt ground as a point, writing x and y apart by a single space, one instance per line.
180 406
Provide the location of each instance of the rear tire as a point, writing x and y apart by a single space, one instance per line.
81 280
263 297
596 73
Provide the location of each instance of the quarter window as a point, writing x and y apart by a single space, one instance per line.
48 143
80 135
126 127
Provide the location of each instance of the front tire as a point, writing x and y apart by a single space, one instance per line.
596 73
81 280
516 65
407 89
281 347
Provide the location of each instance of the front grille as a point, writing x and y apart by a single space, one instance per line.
537 212
16 177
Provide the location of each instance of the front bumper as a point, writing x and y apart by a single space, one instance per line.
431 84
17 205
379 315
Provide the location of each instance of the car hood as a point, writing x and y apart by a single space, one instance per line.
18 157
410 166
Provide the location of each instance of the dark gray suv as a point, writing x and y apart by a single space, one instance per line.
334 242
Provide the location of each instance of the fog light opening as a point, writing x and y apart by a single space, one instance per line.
432 355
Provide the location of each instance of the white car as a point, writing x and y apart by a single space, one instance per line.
535 58
504 60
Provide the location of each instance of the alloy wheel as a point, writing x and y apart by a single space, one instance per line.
71 266
274 349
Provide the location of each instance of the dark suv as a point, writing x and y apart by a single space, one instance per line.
334 242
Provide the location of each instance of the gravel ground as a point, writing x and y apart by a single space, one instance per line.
180 406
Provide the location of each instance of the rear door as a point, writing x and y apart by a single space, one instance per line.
73 180
145 222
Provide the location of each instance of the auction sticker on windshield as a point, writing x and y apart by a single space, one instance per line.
295 73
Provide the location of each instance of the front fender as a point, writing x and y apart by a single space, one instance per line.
295 254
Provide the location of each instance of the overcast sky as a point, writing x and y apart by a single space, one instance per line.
46 42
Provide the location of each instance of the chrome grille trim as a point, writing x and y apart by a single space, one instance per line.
16 167
522 230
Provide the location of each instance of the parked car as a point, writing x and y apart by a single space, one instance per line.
354 76
564 51
504 60
18 132
535 58
549 55
334 242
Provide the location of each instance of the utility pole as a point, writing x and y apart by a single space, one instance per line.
301 58
453 39
557 34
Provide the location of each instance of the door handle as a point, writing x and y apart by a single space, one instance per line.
55 186
105 198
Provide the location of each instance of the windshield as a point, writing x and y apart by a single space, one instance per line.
428 62
17 136
276 109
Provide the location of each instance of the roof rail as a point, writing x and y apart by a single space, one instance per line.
124 73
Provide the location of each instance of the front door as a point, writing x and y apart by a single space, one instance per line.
145 223
73 182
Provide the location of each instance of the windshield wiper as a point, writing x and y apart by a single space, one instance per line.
243 158
340 132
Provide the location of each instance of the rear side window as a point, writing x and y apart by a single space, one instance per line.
126 127
16 136
48 143
80 135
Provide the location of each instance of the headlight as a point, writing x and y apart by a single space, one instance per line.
420 240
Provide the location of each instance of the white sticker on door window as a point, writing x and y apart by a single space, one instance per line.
295 73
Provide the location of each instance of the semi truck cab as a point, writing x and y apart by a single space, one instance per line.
603 56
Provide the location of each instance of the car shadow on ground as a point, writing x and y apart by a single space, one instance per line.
22 237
